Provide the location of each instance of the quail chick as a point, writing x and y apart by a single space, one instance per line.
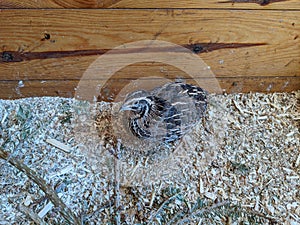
165 113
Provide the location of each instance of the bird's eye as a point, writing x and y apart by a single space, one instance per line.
135 107
142 102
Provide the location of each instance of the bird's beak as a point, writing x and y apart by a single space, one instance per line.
125 108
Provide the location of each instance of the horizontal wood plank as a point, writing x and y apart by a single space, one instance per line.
95 4
66 88
74 68
47 45
256 43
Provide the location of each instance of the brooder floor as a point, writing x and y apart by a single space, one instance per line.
241 165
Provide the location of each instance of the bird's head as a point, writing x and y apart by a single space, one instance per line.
139 106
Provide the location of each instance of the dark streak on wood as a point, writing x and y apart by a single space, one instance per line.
15 56
289 63
260 2
209 47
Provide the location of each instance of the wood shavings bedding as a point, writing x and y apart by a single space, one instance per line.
246 154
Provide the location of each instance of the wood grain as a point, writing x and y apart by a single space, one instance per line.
66 88
57 4
274 35
208 4
47 45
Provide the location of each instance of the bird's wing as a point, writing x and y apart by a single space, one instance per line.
189 101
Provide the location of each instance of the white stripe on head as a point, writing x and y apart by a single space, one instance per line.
133 100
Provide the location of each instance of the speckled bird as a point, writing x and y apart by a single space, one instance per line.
165 113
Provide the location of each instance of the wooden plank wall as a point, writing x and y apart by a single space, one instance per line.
46 45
